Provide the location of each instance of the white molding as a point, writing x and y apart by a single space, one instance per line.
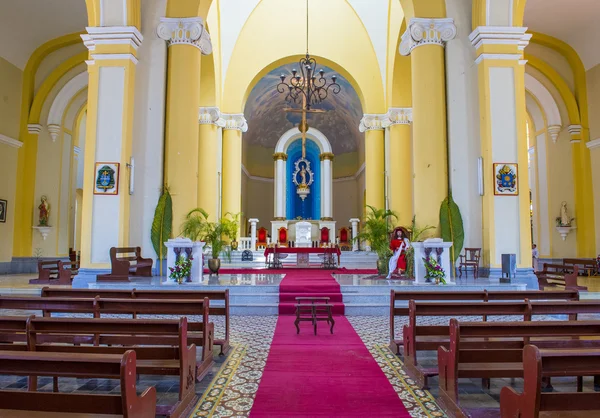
427 31
112 35
353 177
64 96
507 57
593 144
554 131
10 141
34 128
400 115
500 35
546 100
256 178
374 122
101 57
185 30
76 150
235 121
210 116
291 135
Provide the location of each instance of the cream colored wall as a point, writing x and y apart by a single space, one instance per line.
593 85
259 204
345 202
345 165
54 59
10 102
258 160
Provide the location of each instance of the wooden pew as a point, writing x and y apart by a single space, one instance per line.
212 295
13 333
200 333
161 348
538 363
126 262
558 275
32 404
499 352
481 296
55 272
430 337
586 265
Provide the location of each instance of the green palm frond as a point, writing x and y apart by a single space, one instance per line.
162 224
451 225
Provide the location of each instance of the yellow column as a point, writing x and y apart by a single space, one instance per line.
373 127
235 124
187 40
111 90
502 112
400 178
208 181
424 40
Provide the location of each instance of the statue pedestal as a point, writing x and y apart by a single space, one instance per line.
439 250
304 234
183 246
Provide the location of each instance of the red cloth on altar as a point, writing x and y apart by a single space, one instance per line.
394 245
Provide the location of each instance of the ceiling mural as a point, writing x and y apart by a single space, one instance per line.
267 120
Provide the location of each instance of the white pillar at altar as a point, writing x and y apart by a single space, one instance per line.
354 222
253 223
326 186
432 244
197 262
280 185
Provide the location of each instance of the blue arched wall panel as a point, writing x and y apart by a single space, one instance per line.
311 208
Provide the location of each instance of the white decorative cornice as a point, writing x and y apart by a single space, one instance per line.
234 121
500 35
370 122
594 144
210 116
256 178
54 131
399 115
76 150
112 35
554 130
185 30
424 31
34 128
10 141
575 131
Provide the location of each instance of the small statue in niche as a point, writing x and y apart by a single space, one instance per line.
44 208
564 219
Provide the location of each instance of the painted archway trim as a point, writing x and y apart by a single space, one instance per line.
314 134
63 98
545 98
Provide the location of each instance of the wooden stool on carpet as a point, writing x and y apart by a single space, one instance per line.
314 310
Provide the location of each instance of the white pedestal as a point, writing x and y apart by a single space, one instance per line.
332 231
304 234
253 223
198 261
354 222
421 249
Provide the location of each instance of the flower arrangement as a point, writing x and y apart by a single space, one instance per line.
181 270
434 270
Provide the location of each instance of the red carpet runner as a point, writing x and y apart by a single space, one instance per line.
323 376
316 283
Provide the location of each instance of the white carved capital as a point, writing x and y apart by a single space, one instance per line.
34 128
54 131
399 115
370 122
424 31
235 121
554 130
210 116
185 30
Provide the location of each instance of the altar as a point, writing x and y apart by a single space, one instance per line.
310 231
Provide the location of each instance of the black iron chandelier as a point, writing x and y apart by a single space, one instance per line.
308 86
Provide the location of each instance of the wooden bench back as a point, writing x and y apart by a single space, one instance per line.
126 404
547 363
13 329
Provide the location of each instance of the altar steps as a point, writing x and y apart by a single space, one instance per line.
348 259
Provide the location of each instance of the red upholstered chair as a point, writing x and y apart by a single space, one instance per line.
324 236
282 237
261 238
345 244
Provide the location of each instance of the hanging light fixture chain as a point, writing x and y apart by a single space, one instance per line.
307 28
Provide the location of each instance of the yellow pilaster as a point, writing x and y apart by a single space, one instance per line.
502 112
187 40
424 40
400 185
235 124
109 127
208 187
373 127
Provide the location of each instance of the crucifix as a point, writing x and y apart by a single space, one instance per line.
303 127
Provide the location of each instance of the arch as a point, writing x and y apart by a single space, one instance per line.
560 84
113 13
291 135
188 8
49 83
64 96
420 8
357 60
498 13
545 100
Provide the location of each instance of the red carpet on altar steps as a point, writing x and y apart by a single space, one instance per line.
305 282
323 376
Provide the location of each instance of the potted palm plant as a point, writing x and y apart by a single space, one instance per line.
197 227
231 222
376 231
